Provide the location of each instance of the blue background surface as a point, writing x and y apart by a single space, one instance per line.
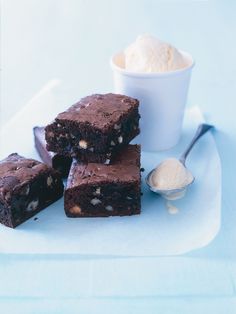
73 40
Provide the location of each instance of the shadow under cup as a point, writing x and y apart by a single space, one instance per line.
162 99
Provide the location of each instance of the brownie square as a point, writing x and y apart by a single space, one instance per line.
98 190
58 162
95 128
26 187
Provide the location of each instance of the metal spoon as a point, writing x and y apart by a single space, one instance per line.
172 194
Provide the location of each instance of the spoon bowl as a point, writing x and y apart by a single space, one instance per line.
169 194
176 193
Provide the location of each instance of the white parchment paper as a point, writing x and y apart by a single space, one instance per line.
153 233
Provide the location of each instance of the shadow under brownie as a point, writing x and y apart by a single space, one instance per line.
58 162
98 190
95 128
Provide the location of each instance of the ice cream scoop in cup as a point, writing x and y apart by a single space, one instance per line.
158 75
171 178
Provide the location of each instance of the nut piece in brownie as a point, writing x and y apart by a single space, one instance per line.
95 128
98 190
59 162
26 187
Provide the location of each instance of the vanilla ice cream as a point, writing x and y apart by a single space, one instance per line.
149 54
170 174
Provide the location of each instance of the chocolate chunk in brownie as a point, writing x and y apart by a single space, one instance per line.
56 161
95 128
98 190
26 187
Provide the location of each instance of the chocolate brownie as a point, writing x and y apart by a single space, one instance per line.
56 161
98 190
95 128
26 187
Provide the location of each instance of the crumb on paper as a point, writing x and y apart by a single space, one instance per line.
172 210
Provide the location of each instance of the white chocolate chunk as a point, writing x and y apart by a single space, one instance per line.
83 144
32 205
120 139
117 126
49 181
98 191
95 201
109 207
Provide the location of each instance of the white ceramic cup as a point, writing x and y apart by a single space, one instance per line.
162 99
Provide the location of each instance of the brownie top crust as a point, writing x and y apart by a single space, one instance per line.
100 110
124 168
15 170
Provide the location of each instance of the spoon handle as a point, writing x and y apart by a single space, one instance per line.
202 129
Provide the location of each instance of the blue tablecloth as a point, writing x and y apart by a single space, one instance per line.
72 40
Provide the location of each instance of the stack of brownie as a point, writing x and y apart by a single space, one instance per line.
89 143
104 178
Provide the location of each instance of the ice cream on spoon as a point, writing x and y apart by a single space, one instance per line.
171 174
171 178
